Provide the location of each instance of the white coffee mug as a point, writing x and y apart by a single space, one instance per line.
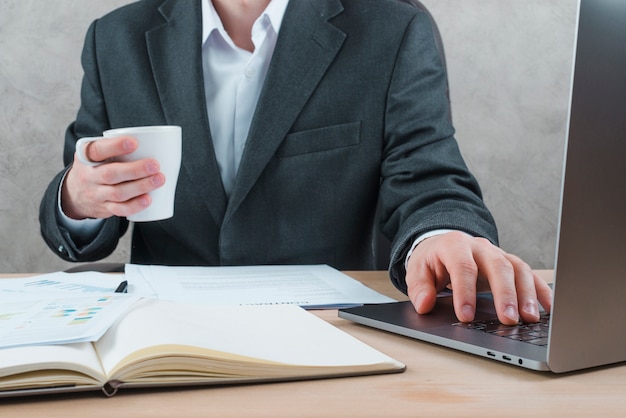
162 143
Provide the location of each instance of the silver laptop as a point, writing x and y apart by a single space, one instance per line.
586 327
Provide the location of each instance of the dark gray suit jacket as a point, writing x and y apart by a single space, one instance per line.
354 108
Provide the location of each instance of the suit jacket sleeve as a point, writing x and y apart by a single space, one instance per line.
91 121
425 182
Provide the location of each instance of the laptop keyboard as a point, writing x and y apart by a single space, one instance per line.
532 333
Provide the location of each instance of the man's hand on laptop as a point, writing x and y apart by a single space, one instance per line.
469 265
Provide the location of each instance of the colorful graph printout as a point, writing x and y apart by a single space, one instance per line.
56 319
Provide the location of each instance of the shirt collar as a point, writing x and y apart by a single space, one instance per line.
275 11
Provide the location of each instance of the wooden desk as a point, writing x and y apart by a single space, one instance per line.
438 382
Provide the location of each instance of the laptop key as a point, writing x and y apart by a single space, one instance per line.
538 341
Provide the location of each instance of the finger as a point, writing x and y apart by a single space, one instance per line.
126 191
463 272
421 287
525 280
544 293
116 173
500 273
107 148
426 276
129 207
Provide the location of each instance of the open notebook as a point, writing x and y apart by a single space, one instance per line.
163 343
586 325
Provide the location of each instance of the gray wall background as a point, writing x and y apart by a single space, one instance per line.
509 66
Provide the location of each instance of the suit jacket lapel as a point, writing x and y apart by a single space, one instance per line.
174 49
306 46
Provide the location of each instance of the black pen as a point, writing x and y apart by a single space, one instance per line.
122 288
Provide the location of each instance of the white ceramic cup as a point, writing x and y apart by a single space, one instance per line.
162 143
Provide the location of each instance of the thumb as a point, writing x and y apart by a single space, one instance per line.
421 289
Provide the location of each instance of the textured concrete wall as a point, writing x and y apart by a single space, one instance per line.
509 63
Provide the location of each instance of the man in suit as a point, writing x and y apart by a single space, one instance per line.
297 118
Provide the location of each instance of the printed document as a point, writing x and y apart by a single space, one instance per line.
60 282
309 286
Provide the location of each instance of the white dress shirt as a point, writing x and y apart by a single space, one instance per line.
233 79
